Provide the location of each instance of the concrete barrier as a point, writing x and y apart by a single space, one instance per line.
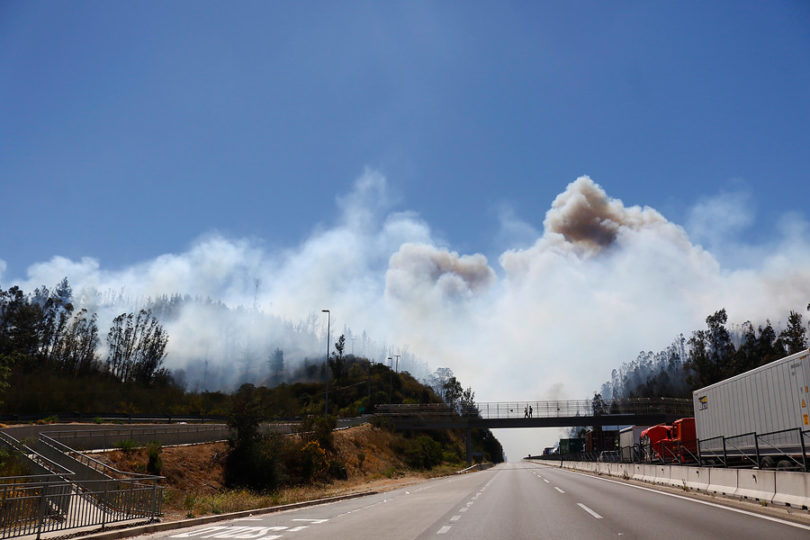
697 478
792 489
678 477
663 475
647 473
756 484
779 487
722 481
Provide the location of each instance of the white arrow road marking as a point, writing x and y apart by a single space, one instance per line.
591 512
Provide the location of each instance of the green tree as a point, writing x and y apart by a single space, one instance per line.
137 347
337 362
793 337
711 352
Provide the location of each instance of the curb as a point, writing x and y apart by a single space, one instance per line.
168 525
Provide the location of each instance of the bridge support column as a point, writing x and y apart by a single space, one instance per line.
468 446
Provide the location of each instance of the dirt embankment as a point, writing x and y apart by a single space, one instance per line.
195 475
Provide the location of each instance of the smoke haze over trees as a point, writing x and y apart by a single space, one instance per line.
543 314
707 357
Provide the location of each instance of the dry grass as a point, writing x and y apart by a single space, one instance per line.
195 474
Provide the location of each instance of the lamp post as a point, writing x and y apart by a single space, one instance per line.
328 324
390 381
397 368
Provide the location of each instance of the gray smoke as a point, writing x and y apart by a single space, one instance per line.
551 320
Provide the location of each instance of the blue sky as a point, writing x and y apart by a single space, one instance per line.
130 129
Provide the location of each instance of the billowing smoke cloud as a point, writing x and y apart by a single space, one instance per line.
602 282
585 216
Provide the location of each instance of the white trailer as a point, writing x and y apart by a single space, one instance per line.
629 439
772 401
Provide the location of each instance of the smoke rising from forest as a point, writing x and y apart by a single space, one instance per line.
602 282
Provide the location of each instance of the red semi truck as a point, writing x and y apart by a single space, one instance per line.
671 443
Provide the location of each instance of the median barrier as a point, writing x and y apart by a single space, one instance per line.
792 489
697 478
647 473
756 484
663 475
722 481
637 472
678 476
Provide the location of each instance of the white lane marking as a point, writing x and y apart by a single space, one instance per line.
233 532
462 509
558 489
248 519
470 503
591 512
443 529
299 528
455 518
313 521
546 481
707 503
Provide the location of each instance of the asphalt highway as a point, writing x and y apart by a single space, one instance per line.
511 501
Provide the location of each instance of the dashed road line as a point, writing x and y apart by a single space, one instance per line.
591 512
443 530
545 480
456 517
558 489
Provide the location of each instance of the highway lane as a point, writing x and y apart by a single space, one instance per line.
511 501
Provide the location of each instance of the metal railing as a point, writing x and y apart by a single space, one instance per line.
78 492
546 409
105 438
36 504
787 449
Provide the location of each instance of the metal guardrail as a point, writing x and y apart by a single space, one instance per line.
104 438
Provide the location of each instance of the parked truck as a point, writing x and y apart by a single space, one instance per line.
674 443
571 446
759 417
629 439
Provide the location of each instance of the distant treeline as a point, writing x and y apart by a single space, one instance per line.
708 356
50 362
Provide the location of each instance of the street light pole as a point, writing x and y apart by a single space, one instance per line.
397 368
390 382
328 324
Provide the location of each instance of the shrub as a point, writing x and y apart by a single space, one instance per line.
307 463
125 445
423 452
155 464
337 469
257 464
320 429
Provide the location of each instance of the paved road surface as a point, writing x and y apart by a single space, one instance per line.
511 501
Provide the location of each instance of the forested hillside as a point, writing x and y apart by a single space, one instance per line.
707 356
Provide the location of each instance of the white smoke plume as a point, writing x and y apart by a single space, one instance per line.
600 283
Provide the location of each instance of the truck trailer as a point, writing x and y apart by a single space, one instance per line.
629 439
760 417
